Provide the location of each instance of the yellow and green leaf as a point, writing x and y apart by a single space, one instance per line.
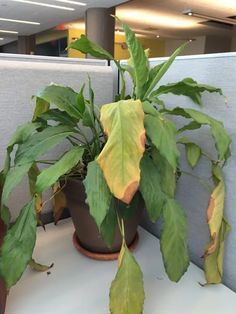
218 227
123 122
127 291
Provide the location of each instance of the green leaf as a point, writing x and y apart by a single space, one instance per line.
98 194
166 172
222 139
59 116
39 143
41 106
22 133
139 60
127 292
162 133
187 87
109 224
193 125
13 178
50 175
174 240
5 214
81 100
193 151
18 245
84 45
88 117
33 173
150 188
163 69
120 158
65 98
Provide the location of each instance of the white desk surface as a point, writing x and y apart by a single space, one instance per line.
79 285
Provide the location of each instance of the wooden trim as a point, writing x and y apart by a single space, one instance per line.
3 291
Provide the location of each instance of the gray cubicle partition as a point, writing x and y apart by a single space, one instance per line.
22 76
217 70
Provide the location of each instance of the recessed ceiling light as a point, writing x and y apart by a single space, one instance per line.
157 36
1 38
45 5
9 32
19 21
72 2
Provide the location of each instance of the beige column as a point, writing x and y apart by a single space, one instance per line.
100 27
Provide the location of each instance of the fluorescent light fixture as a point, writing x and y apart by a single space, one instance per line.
225 20
72 2
19 21
45 5
8 32
1 38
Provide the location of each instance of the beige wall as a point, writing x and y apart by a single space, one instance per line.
196 47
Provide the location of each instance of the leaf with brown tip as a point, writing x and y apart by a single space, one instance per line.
119 160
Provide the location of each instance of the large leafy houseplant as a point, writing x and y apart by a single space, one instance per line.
132 145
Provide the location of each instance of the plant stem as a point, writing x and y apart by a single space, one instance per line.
202 181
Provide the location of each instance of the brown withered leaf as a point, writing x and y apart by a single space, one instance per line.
59 201
39 267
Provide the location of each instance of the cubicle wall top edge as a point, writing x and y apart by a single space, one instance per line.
36 58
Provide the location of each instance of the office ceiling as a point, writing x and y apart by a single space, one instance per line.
151 17
48 17
165 18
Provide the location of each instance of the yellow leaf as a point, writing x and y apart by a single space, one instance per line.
120 158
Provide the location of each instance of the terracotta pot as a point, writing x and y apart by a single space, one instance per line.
85 226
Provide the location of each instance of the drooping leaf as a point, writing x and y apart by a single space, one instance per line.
39 267
65 98
50 175
222 139
41 106
108 226
98 194
174 240
21 134
13 178
218 228
59 202
187 87
162 133
213 263
18 245
138 60
150 188
39 143
193 151
127 292
163 69
166 172
121 155
59 116
84 45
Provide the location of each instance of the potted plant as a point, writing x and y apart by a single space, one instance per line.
131 153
